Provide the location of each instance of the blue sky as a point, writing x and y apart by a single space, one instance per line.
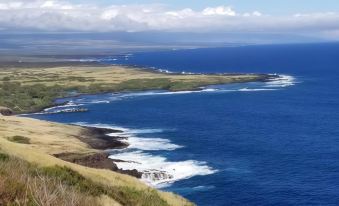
274 7
308 18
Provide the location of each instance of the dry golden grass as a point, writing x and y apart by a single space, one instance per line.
84 76
48 138
25 90
23 185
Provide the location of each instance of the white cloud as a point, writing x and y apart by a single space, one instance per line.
220 10
55 15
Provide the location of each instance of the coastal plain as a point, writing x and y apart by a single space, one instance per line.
38 142
32 89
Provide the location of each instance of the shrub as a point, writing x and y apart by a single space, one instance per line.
19 139
3 157
6 79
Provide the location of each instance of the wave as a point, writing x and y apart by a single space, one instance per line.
276 83
162 70
192 190
281 81
254 90
99 125
69 104
151 144
123 129
94 102
158 171
135 142
203 188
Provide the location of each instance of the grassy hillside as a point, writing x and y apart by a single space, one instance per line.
28 145
25 90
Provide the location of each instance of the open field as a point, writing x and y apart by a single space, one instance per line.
25 90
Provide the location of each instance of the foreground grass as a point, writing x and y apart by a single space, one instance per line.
46 139
26 90
22 183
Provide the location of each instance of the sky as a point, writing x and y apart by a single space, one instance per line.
311 18
268 6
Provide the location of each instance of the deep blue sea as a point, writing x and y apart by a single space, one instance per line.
242 144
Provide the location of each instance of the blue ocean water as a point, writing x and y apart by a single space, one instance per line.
241 144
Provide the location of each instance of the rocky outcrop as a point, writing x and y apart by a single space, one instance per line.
6 111
156 175
97 160
97 138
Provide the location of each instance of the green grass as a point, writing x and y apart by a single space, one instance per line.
23 98
28 98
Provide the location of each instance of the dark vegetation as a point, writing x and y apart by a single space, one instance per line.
23 98
19 139
27 98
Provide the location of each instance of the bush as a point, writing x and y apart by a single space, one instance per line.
3 157
6 79
19 139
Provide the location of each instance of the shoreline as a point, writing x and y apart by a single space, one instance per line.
99 138
107 138
81 146
60 82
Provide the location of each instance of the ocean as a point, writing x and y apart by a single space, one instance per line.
273 143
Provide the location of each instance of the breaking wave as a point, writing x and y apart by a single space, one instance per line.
156 170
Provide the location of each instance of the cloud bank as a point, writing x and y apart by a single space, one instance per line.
63 16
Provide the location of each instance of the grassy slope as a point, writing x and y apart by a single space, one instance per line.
25 90
42 144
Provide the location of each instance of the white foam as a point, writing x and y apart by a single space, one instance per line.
254 90
141 143
158 171
144 131
164 71
151 144
281 81
95 102
209 90
204 188
69 104
105 126
135 142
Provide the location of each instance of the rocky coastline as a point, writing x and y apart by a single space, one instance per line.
97 138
